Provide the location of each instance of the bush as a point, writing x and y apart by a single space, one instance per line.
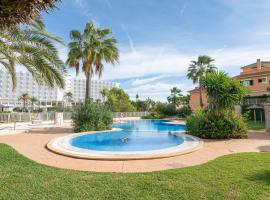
184 112
92 116
38 110
153 116
59 108
216 125
18 109
164 109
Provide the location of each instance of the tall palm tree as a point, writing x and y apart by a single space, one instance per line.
33 100
198 68
32 47
24 98
91 48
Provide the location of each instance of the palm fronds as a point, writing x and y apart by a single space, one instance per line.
92 48
14 12
32 47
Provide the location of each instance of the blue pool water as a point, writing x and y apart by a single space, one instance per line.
139 135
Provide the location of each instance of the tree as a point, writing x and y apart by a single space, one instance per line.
118 100
24 98
149 104
223 91
33 100
32 47
18 11
91 48
68 96
185 99
198 68
175 97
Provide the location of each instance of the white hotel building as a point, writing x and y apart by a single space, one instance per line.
47 96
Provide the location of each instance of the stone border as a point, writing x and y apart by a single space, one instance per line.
62 146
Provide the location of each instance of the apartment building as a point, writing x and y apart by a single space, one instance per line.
256 77
47 96
77 87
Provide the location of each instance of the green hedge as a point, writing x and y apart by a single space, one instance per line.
216 125
92 116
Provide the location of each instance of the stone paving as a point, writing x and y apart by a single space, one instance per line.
32 145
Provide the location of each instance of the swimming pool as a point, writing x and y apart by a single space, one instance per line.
135 139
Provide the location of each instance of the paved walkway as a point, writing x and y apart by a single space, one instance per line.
32 146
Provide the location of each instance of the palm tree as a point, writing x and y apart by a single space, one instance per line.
175 96
33 100
91 48
68 96
137 97
198 68
32 47
24 98
18 11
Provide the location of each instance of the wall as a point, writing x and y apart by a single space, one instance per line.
194 102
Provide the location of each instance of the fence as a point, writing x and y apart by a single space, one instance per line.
49 116
129 114
25 117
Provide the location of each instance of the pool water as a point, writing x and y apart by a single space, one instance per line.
138 135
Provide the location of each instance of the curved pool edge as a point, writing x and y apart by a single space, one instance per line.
67 150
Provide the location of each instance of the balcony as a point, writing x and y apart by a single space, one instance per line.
248 101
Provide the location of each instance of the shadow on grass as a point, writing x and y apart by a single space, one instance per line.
263 177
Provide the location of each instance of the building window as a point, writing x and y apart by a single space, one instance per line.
262 80
247 82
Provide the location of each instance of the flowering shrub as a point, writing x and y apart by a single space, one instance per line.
216 124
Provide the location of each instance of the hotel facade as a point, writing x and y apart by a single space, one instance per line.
47 96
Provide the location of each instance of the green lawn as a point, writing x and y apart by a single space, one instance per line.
238 176
258 126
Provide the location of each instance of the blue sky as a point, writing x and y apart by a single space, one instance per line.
158 38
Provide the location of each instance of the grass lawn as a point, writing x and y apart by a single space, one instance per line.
238 176
258 126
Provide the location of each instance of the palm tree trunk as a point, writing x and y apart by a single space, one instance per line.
88 80
201 98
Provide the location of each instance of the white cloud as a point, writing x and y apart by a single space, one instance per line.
83 6
141 81
157 90
148 61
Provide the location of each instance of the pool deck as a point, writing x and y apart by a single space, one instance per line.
33 146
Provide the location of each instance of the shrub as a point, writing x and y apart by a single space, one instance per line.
38 110
184 111
92 116
153 116
216 125
164 109
59 108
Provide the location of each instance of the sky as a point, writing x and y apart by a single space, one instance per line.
157 39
